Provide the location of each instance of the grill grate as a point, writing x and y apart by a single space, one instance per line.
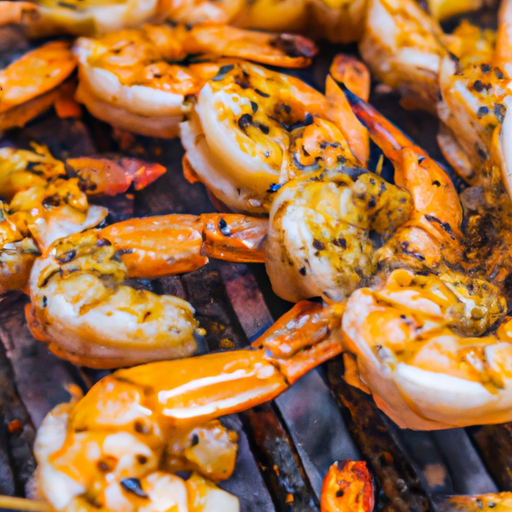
285 446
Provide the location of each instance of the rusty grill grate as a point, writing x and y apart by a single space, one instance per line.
285 446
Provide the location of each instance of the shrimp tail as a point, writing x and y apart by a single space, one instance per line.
382 131
112 177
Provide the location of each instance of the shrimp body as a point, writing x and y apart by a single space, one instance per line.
420 350
252 130
402 46
134 79
81 305
131 466
89 17
77 296
319 241
474 104
123 441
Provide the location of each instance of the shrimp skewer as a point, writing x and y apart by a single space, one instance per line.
132 418
82 307
135 80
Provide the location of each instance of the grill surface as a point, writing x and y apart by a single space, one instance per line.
285 446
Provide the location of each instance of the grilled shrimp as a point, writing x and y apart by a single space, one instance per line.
82 306
319 241
33 83
252 130
402 46
78 17
136 80
329 230
420 349
118 447
45 204
339 21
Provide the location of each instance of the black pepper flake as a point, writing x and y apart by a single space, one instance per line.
67 256
254 106
420 159
478 86
274 187
339 493
485 68
481 152
482 111
102 467
67 5
245 121
124 251
340 242
308 119
324 145
264 128
405 250
436 183
319 246
224 228
498 74
45 301
261 93
286 108
223 71
445 225
50 202
140 428
499 111
372 203
195 440
134 486
103 242
302 271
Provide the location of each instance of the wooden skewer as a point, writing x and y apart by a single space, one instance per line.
24 504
